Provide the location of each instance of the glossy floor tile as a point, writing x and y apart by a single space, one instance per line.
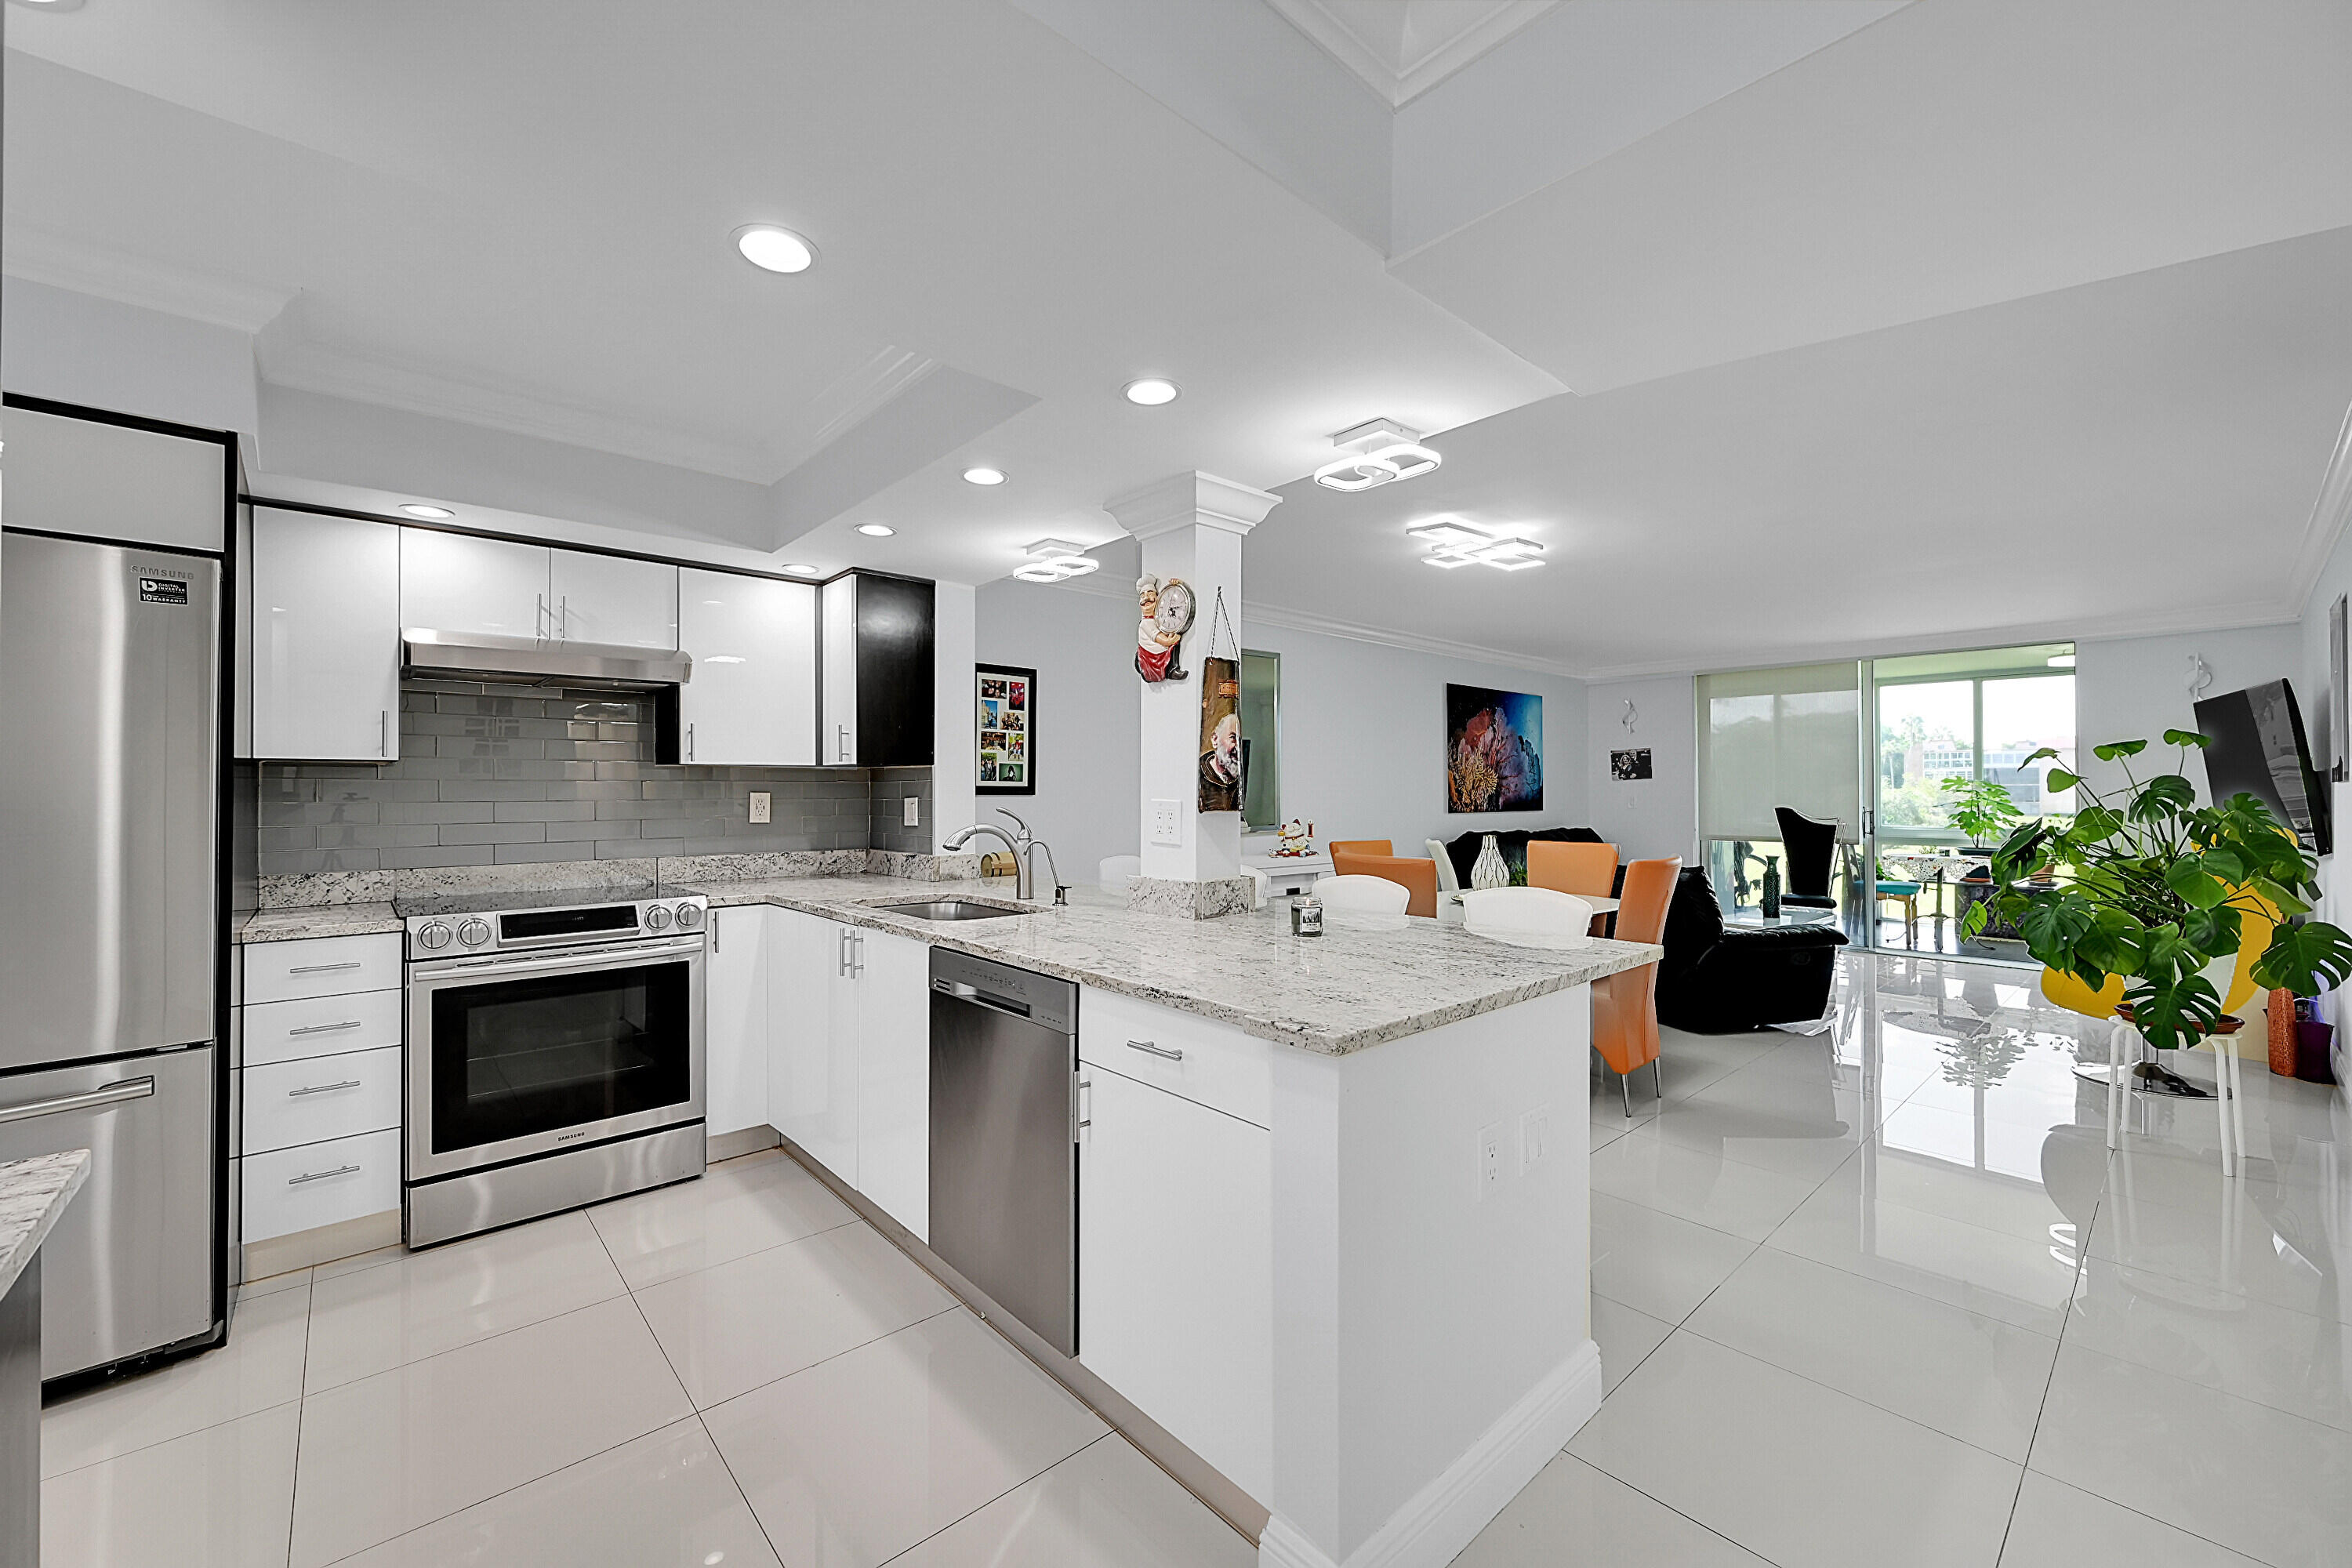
1570 1506
857 1458
1106 1506
1745 1201
1625 1336
1656 1262
2059 1526
743 1206
220 1498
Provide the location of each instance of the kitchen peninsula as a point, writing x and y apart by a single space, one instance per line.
1334 1229
33 1194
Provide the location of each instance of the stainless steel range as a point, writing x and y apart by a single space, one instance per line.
555 1054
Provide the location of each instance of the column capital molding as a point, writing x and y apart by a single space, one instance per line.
1184 500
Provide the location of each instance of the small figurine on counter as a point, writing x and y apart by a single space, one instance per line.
1298 838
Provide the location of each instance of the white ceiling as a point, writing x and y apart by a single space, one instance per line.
1845 288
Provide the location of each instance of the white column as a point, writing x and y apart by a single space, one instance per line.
955 646
1189 526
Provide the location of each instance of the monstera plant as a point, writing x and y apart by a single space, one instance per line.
1980 807
2148 884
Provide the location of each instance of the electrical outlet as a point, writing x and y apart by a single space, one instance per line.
759 799
1167 822
1490 1158
910 813
1535 1133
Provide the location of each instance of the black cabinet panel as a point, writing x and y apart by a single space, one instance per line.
895 681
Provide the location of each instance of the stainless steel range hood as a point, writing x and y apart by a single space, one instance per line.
482 656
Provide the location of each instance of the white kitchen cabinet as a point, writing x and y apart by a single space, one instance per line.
735 1013
613 599
455 583
1176 1268
752 701
840 740
324 637
880 633
813 1039
893 975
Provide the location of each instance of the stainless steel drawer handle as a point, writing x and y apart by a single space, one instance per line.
322 968
321 1175
324 1028
112 1094
1150 1050
323 1088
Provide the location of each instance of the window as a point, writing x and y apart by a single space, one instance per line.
1975 715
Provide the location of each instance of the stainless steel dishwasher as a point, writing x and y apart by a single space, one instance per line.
1004 1156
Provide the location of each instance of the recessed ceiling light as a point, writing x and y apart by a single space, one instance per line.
984 476
876 530
1152 391
774 249
799 570
1383 452
432 513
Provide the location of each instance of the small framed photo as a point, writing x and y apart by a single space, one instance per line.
1630 764
1004 714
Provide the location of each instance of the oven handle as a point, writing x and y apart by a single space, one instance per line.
628 957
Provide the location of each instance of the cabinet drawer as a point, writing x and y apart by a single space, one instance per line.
321 966
313 1184
322 1027
1209 1063
311 1102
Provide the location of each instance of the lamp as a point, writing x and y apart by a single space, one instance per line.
1382 452
1055 561
1454 543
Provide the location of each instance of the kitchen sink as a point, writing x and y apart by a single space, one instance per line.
947 910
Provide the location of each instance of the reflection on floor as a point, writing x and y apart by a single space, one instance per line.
1877 1296
1881 1295
737 1370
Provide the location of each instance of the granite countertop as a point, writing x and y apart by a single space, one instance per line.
1356 986
317 919
33 1192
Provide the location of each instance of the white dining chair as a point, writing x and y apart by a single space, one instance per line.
1527 917
1116 872
1447 882
1362 895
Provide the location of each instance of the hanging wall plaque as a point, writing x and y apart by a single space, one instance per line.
1220 717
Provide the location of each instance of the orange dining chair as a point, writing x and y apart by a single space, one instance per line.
1417 878
1625 1005
1588 871
1360 847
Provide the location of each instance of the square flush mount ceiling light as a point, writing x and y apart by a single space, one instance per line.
1055 561
1454 543
1382 452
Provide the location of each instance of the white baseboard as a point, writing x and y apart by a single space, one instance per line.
1434 1525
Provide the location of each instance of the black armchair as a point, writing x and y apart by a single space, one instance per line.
1716 980
1811 846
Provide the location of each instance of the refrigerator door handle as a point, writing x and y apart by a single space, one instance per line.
112 1094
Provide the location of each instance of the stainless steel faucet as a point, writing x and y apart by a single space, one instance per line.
1023 848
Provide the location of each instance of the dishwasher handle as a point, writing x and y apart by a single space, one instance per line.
974 994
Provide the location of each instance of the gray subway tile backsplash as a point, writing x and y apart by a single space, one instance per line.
512 775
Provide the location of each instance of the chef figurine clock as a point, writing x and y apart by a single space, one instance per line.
1167 616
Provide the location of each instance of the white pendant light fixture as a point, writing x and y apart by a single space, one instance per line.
1454 543
1055 561
772 248
1381 452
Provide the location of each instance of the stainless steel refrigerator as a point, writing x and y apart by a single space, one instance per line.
110 930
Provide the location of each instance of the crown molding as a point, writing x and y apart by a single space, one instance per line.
1444 648
39 255
1183 500
1399 81
2330 513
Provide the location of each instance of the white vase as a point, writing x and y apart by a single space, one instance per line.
1488 870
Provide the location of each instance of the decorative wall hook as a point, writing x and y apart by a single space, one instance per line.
2200 676
1629 715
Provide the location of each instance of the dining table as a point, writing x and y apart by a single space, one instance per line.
1936 869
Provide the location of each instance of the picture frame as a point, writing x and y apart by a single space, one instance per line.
1494 750
1004 729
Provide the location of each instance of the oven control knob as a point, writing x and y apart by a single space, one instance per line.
657 917
689 916
474 933
433 936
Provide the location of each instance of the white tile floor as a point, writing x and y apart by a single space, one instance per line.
1877 1296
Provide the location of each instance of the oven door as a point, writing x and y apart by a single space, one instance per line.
512 1056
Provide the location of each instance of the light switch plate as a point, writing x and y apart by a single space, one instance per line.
759 799
910 815
1167 822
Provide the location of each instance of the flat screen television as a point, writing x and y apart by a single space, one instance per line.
2257 747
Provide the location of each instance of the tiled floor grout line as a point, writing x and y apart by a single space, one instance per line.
301 1408
1736 1544
999 1497
2042 1407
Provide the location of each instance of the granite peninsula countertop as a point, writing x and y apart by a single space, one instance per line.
317 919
33 1192
1358 985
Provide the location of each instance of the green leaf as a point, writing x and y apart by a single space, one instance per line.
2061 779
2280 898
2186 738
2095 825
2197 888
2114 748
2165 796
2225 863
2213 932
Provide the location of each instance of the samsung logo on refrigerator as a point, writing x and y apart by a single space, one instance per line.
163 591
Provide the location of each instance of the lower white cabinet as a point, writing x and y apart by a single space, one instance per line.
893 976
312 1184
735 993
319 1098
1176 1268
813 1039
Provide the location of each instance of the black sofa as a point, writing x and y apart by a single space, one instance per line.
1716 980
1464 851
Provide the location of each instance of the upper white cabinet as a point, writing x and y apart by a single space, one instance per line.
457 583
613 599
325 637
839 747
108 480
751 699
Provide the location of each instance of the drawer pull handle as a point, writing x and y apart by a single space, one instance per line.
1151 1049
322 968
320 1175
323 1088
88 1099
324 1028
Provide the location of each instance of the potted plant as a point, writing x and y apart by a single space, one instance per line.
1982 808
2153 887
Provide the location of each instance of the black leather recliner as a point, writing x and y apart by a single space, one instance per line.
1715 980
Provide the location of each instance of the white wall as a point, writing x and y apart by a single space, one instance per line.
78 348
1363 743
2129 689
1657 816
